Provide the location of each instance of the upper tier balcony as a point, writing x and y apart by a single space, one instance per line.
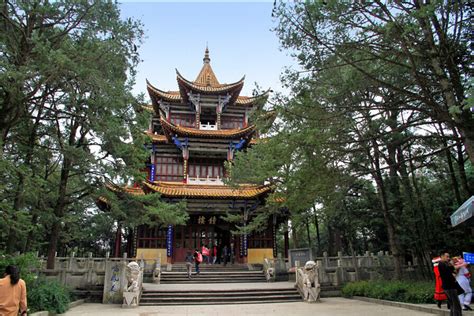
208 127
204 181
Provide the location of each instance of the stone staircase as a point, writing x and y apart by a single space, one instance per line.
231 296
213 274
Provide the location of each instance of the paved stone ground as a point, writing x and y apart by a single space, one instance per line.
327 307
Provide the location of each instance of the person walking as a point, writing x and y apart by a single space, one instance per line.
449 284
12 293
189 263
205 253
214 254
197 260
439 294
225 254
463 278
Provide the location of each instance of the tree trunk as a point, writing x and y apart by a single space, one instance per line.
318 237
449 160
390 226
308 235
286 241
460 162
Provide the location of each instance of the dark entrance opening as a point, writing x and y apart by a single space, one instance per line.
193 236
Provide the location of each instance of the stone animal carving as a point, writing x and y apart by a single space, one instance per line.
311 287
157 274
270 274
132 290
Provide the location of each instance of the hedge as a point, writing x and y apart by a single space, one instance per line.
400 291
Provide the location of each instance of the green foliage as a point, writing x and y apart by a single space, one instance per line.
48 295
400 291
69 118
42 294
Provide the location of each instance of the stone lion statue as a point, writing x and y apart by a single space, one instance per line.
133 273
131 291
311 282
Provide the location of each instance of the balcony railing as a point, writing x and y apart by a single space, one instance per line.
208 127
205 181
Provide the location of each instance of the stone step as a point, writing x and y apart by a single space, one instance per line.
214 272
193 281
286 300
236 296
217 294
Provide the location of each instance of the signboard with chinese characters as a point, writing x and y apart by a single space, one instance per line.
169 241
302 255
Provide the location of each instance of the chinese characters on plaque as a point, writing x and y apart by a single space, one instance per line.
202 220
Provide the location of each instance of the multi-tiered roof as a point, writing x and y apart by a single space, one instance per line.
196 98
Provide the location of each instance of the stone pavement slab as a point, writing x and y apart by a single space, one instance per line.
327 307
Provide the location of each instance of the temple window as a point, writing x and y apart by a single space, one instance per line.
151 237
169 169
261 239
232 122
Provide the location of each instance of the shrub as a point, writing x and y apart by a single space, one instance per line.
48 295
42 294
400 291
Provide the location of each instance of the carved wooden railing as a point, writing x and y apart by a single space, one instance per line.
206 181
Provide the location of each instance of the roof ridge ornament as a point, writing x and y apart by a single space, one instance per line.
206 59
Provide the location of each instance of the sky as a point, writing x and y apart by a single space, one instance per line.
238 35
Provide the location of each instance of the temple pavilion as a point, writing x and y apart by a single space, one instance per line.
194 131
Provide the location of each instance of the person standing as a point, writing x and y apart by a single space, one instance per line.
205 253
12 293
189 263
439 294
197 260
225 254
463 279
449 284
214 254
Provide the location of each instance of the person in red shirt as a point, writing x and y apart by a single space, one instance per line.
205 253
214 254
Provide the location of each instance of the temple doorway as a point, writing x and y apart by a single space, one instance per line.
193 236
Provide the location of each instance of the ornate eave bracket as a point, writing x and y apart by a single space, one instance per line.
235 147
183 146
194 100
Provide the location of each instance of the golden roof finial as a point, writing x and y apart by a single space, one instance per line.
206 58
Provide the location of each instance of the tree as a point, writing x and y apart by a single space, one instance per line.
68 73
427 42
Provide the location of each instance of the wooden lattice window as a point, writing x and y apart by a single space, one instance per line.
261 239
183 119
151 237
232 122
169 169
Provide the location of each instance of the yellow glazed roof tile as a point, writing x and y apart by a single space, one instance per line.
156 137
176 189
